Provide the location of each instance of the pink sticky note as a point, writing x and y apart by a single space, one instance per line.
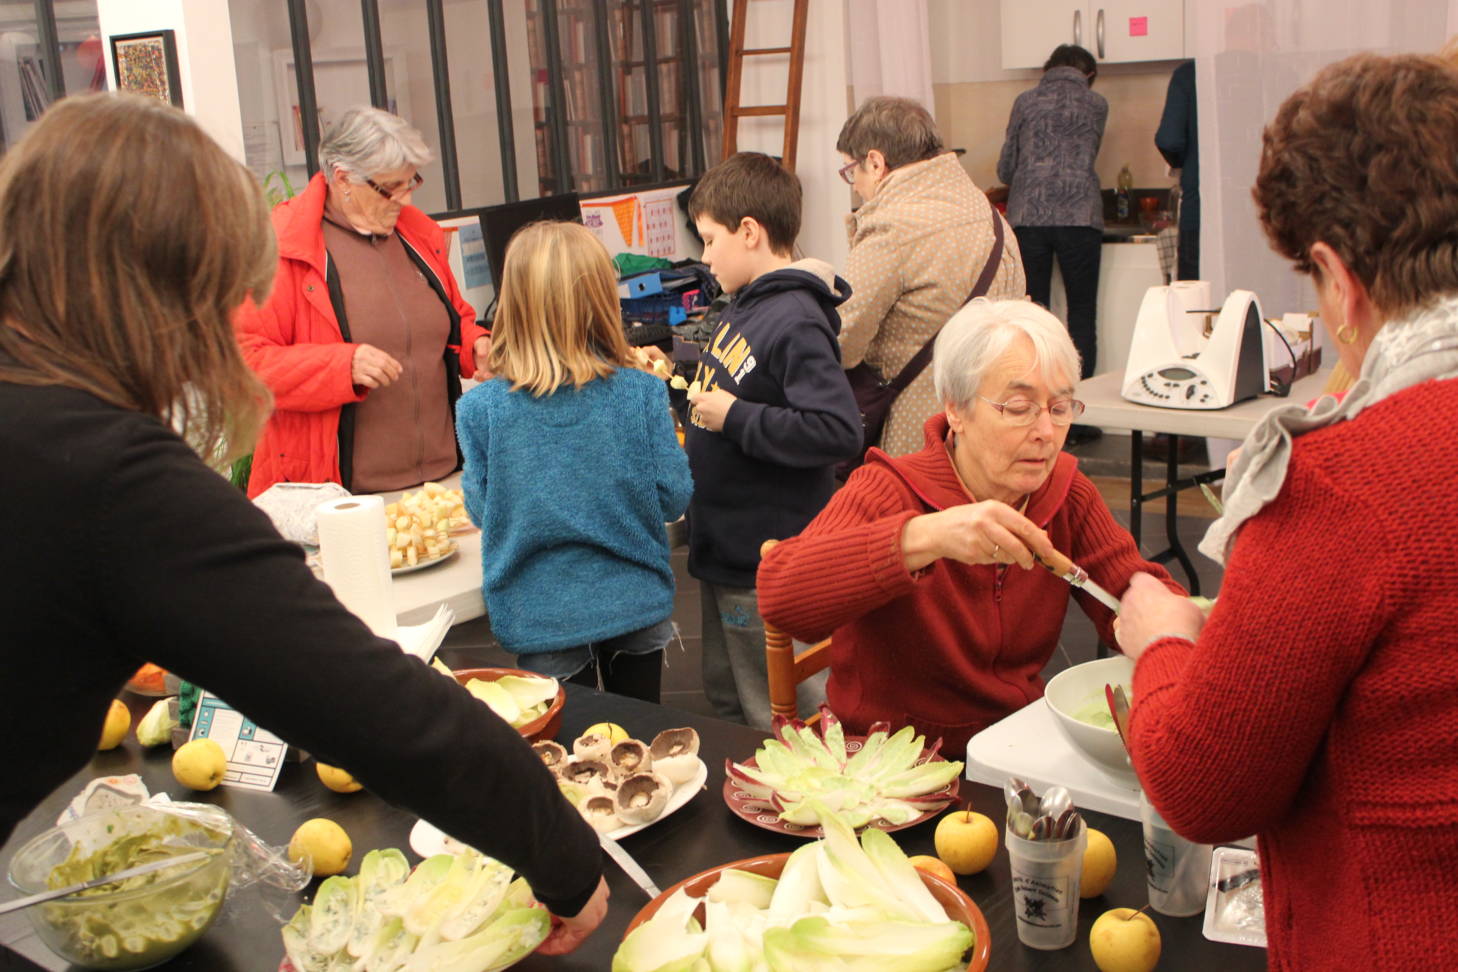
1138 26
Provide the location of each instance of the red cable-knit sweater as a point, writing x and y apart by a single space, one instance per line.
953 648
1320 707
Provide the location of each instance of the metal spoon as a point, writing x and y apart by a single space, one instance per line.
130 872
1055 800
1119 709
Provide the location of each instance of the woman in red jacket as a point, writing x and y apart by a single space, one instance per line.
1318 705
910 564
365 338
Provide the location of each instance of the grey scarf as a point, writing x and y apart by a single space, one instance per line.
1418 348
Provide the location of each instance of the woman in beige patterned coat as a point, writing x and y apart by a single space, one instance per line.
918 244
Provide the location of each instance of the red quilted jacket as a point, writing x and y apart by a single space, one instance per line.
295 344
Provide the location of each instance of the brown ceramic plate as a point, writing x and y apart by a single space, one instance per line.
958 906
544 726
762 813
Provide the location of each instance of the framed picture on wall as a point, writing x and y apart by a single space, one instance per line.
147 64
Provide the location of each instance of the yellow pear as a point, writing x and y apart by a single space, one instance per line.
1099 864
966 841
199 764
1124 940
323 845
118 721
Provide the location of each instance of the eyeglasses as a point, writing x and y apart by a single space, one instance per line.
1020 411
846 173
399 192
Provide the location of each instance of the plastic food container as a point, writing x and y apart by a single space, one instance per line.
136 927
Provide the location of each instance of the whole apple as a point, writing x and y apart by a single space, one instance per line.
966 841
1124 940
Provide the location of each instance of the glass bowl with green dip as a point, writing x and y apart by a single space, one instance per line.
139 922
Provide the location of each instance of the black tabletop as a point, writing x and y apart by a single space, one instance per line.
701 835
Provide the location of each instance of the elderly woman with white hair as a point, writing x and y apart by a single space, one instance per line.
365 337
911 565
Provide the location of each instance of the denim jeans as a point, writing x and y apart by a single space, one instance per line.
626 664
736 675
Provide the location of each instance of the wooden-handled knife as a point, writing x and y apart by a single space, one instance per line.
1075 575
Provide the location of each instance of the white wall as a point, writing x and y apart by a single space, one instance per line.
824 106
204 57
1246 65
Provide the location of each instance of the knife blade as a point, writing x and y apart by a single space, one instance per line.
130 872
630 867
1065 569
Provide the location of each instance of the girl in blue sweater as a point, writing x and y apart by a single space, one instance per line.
572 468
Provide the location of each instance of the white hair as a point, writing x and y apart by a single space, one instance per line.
978 334
366 141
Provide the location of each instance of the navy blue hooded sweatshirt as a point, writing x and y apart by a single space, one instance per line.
772 468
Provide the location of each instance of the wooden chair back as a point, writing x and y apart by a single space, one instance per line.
787 669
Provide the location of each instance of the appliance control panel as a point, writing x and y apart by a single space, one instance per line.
1173 387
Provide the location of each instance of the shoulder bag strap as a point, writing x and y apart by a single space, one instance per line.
922 358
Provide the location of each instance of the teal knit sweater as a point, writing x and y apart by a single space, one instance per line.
572 491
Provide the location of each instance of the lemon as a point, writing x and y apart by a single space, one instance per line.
614 732
199 764
337 779
118 721
966 841
321 844
1099 864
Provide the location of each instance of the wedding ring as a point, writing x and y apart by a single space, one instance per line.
996 549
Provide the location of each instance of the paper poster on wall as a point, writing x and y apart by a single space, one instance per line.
658 224
649 222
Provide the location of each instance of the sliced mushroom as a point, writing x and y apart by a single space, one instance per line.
553 754
600 812
642 797
630 756
593 745
586 771
675 754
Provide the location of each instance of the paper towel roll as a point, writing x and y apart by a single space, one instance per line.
356 559
1195 297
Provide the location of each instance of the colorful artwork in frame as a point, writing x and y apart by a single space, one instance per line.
147 64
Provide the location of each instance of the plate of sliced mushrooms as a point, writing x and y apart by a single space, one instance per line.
619 788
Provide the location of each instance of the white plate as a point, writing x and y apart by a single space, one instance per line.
426 840
422 564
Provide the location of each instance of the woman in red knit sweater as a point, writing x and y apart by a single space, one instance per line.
1318 705
911 564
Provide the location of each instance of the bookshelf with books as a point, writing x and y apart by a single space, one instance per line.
604 136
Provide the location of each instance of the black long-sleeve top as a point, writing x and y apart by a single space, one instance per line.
121 546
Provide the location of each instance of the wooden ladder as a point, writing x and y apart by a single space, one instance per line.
733 110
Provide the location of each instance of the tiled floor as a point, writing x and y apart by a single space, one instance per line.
1106 460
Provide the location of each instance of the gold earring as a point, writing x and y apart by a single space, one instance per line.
1343 334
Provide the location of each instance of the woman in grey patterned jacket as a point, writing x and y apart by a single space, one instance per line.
1054 203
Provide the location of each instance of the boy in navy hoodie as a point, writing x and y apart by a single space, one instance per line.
771 413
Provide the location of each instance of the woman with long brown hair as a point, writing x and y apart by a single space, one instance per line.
572 469
120 268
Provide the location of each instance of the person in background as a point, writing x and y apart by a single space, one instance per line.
1317 707
118 372
770 416
572 469
1054 203
921 568
918 243
1178 140
366 336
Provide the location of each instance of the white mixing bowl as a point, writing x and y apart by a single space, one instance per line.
1074 688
